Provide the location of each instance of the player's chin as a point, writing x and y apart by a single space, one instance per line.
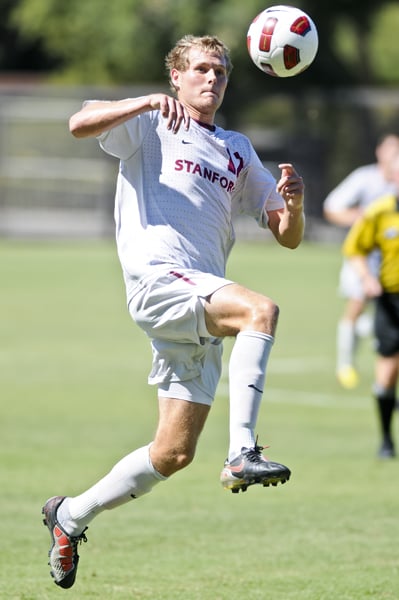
212 98
209 107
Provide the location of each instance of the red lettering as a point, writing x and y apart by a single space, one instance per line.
240 162
224 182
189 164
207 174
197 170
231 166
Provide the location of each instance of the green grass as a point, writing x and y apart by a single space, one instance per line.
74 399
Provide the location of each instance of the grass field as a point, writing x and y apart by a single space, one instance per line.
74 399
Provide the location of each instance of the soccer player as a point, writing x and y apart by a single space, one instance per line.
342 207
378 228
181 179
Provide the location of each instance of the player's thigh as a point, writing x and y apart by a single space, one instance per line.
234 308
387 325
169 306
354 308
386 371
350 283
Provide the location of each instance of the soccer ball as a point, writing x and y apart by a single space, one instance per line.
282 41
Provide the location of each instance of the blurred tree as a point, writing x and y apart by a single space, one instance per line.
383 46
17 52
97 41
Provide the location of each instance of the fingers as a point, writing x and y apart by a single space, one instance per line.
290 184
289 172
372 287
175 114
287 168
290 187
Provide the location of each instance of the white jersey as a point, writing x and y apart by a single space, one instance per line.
361 187
177 193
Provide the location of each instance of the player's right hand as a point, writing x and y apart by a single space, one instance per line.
372 286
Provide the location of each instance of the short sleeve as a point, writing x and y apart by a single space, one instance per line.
256 191
124 140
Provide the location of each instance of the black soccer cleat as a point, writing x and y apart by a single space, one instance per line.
63 554
252 467
387 449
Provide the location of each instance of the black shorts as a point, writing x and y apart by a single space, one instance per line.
387 324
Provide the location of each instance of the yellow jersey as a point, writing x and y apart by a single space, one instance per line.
378 229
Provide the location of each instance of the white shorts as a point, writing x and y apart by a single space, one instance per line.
350 284
169 307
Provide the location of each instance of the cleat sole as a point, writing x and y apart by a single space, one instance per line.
238 486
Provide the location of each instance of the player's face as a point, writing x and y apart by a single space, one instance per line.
386 153
394 171
202 86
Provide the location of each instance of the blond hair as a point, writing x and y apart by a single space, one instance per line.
178 59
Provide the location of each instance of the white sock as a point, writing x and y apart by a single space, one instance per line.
364 325
131 477
346 343
247 370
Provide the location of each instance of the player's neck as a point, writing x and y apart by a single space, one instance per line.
210 127
204 119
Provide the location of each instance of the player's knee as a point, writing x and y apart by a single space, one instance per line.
384 392
171 460
183 459
265 315
176 461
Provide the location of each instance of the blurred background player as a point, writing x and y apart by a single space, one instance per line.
378 228
342 207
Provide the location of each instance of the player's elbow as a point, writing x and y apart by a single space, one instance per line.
76 126
291 241
329 216
293 244
292 237
73 127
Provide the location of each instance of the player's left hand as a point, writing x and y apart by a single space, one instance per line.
291 186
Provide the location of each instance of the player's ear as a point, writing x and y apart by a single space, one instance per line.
175 78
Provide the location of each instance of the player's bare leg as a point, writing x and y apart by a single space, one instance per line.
347 342
234 308
252 318
179 427
386 377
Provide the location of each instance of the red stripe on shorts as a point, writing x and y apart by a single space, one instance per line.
183 277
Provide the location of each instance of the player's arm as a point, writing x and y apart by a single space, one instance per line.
371 284
99 116
356 247
342 206
288 224
343 218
